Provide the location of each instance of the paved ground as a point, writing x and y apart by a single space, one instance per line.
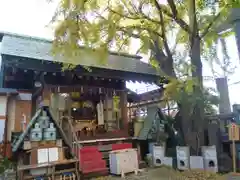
168 174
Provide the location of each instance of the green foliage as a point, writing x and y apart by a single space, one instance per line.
182 92
161 29
105 25
4 165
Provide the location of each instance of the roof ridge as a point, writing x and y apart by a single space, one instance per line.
23 36
2 33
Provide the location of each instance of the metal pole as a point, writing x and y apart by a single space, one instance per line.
234 155
236 22
237 35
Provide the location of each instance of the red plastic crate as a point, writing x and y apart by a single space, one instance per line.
91 160
93 166
121 146
90 156
88 149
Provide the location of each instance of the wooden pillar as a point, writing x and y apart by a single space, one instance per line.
124 109
5 135
46 96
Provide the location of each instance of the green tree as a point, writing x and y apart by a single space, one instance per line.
103 25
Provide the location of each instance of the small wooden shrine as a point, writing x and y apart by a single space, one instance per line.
43 150
85 107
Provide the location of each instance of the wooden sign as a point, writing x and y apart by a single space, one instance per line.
233 132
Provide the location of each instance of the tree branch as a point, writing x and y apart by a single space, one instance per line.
174 15
136 17
164 35
145 16
165 43
206 31
123 15
173 7
192 21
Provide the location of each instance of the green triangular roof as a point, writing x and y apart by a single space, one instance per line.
18 142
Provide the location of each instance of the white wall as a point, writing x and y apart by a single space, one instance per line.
3 104
11 116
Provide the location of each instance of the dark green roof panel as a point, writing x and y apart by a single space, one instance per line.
36 48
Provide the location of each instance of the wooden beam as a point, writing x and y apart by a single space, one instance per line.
124 109
46 66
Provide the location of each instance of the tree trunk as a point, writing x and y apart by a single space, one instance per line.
192 124
198 122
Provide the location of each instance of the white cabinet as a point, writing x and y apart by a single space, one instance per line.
209 154
183 157
123 161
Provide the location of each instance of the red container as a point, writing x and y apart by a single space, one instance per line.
90 156
88 149
94 166
91 160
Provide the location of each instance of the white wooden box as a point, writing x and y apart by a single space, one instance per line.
158 151
209 152
168 161
123 161
183 157
196 162
210 165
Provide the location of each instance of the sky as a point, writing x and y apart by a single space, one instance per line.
32 17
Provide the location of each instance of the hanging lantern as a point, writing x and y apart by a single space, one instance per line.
87 104
75 94
76 105
116 101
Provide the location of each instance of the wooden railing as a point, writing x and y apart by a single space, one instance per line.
74 139
81 136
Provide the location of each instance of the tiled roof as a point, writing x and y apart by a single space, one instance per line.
40 49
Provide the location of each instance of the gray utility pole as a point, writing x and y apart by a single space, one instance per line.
233 23
222 87
236 24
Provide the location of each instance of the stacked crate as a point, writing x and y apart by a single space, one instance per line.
91 160
96 158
